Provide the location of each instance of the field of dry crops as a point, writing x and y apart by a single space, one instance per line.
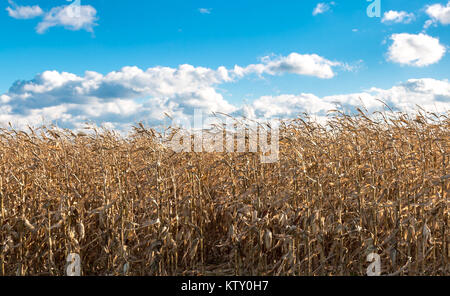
337 193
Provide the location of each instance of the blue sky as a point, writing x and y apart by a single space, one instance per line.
398 54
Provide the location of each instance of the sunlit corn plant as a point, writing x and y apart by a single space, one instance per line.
358 184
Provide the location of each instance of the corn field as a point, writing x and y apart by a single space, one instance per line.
358 184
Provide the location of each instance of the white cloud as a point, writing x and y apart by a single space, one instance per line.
430 94
438 14
157 89
289 105
72 17
320 8
205 10
301 64
132 94
23 12
415 50
393 16
4 99
124 96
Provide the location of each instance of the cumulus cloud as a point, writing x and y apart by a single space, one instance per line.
322 8
288 105
128 95
415 50
4 99
23 12
122 98
301 64
72 100
72 17
132 94
186 87
393 16
157 89
438 14
431 94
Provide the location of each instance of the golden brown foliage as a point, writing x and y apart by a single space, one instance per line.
131 206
